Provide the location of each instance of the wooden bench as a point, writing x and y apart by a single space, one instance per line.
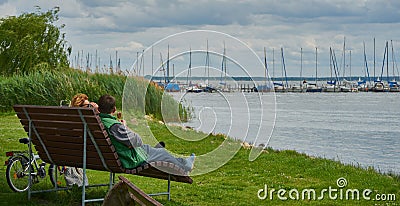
76 137
125 193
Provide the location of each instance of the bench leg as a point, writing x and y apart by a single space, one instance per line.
169 187
165 193
112 179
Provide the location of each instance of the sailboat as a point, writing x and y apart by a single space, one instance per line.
378 84
171 86
266 87
222 83
331 85
393 85
190 87
313 87
345 85
299 88
207 86
282 87
362 85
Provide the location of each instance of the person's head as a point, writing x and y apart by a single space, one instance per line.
80 100
107 104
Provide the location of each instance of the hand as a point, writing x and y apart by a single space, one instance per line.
94 105
123 122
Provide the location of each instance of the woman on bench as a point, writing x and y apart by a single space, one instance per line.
128 144
74 175
82 100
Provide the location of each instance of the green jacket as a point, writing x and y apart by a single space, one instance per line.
129 157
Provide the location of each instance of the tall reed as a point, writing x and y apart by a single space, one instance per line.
49 88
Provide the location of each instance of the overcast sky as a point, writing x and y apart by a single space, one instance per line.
132 26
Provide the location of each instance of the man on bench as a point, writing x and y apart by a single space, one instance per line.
128 144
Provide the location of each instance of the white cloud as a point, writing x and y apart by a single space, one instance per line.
131 46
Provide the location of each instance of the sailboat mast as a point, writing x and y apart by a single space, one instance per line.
344 57
387 60
208 64
283 65
163 69
391 42
350 64
366 64
284 69
266 67
189 74
374 61
273 63
207 67
301 65
168 65
223 66
316 65
330 61
225 72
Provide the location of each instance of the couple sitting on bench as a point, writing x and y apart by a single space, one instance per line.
128 144
94 139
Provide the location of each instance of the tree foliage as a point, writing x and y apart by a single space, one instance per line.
31 42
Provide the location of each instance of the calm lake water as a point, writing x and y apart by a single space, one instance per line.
354 128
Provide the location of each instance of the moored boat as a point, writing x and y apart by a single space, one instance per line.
312 87
394 86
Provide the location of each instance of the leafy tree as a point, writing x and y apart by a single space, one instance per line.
31 41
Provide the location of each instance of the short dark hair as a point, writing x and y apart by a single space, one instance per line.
106 104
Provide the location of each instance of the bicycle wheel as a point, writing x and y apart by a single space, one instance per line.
17 173
56 174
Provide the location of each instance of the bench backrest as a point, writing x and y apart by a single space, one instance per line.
57 133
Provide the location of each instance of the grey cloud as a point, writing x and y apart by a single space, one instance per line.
272 23
131 16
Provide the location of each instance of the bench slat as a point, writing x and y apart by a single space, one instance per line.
59 117
73 146
97 134
92 163
61 124
68 139
53 110
61 132
78 153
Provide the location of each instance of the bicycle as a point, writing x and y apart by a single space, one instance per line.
23 170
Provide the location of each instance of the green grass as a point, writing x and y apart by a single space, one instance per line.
235 183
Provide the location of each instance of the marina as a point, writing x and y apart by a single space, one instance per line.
294 85
341 79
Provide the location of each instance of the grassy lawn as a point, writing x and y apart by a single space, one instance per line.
238 182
